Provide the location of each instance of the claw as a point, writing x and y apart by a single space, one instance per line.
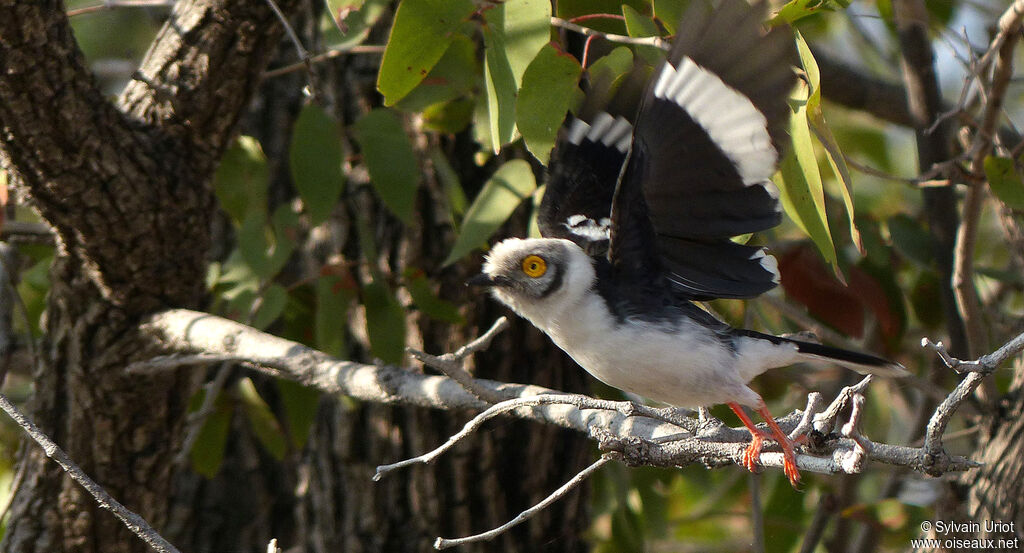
753 452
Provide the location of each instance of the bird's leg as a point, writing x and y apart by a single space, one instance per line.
757 437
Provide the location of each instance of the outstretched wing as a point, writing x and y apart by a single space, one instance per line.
703 151
587 161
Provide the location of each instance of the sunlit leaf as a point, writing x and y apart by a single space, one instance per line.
454 74
668 12
315 162
385 323
511 184
391 161
545 98
426 301
450 117
501 87
525 26
816 119
1005 181
421 33
799 9
261 420
799 181
241 179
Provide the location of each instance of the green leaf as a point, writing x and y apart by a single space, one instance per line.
511 184
911 239
422 31
266 249
390 160
450 117
272 302
802 194
544 99
1005 181
300 405
262 420
668 12
799 9
454 75
638 24
426 301
385 323
315 161
526 27
516 30
334 294
816 119
452 187
501 87
241 179
207 453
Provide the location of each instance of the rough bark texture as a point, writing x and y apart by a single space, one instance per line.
126 186
127 191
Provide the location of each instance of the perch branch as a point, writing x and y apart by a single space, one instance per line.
131 520
451 364
935 457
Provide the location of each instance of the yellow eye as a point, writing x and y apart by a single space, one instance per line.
534 266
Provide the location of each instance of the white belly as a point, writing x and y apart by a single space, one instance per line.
684 365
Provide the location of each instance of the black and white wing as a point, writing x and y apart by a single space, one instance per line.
588 159
704 147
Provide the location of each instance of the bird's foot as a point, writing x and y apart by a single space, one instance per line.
752 454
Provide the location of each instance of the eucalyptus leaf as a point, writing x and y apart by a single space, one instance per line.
545 98
421 33
385 323
390 160
512 183
262 420
315 162
241 179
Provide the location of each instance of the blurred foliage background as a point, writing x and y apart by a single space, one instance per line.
497 78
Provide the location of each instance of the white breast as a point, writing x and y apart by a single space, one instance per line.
683 365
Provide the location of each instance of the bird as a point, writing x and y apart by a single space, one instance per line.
648 183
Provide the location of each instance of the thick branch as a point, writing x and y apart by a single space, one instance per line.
629 433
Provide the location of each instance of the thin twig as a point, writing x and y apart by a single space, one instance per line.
299 48
578 401
330 53
131 520
112 4
657 42
444 543
197 419
451 364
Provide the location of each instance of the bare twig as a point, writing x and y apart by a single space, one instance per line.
111 4
299 48
330 53
444 543
451 364
657 42
131 520
935 456
963 275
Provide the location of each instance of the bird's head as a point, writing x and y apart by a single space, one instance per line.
536 277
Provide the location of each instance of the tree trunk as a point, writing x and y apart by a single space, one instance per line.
127 189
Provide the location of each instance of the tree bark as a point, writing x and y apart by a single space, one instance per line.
127 190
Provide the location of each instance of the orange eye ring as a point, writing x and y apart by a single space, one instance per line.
534 266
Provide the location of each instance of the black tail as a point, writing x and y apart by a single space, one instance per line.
854 360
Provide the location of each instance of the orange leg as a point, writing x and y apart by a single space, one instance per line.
757 437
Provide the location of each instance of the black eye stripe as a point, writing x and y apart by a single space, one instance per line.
556 280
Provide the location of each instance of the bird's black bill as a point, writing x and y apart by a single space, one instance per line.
482 280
